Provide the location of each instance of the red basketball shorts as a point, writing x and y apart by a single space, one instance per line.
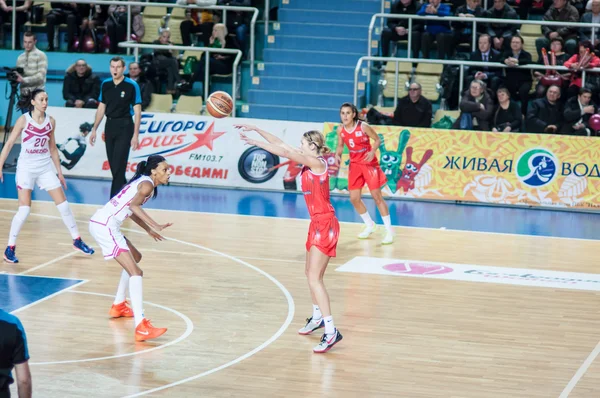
361 174
323 233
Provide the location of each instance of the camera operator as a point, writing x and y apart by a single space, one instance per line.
34 64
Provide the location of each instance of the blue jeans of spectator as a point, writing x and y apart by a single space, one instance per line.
241 33
466 121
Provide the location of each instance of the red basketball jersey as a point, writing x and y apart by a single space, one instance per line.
315 188
358 143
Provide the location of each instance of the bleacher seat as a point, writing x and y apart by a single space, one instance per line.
428 76
404 74
189 105
154 19
160 103
177 16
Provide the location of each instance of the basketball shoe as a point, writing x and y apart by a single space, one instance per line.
312 325
120 310
9 255
328 341
145 331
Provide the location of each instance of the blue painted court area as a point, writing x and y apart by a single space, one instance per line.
409 213
17 291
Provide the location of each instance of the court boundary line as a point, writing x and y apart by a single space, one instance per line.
580 372
273 338
341 222
189 329
50 296
47 263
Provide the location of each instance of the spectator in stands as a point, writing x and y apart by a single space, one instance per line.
527 7
592 16
546 114
219 64
561 11
462 32
22 7
198 21
81 87
436 29
485 53
508 117
98 16
414 110
502 33
585 59
71 14
397 29
34 63
476 108
166 62
14 353
578 111
548 79
237 22
146 88
116 25
518 81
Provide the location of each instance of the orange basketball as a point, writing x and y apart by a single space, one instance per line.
219 104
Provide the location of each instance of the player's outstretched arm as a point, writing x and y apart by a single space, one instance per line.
308 160
267 136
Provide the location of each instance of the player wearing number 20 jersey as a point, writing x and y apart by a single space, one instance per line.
38 164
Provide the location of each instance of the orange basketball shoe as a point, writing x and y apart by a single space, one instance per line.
120 310
145 331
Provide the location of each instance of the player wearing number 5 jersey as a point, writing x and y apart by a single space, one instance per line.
105 227
37 162
364 169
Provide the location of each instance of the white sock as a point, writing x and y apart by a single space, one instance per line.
316 312
329 326
135 292
17 223
68 219
388 223
367 219
122 289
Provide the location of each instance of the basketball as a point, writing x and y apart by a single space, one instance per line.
219 104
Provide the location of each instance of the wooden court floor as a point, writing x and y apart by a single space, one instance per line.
232 291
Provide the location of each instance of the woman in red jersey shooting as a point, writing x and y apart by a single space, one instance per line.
324 228
364 169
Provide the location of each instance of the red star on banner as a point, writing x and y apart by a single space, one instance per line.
205 139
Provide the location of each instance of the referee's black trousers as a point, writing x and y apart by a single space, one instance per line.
118 134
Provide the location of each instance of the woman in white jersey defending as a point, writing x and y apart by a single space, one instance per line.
38 153
105 227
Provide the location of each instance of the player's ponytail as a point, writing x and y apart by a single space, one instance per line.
316 138
145 167
26 97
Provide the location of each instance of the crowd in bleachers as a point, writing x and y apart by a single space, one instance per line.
548 101
99 28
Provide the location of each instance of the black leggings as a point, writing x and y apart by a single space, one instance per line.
118 134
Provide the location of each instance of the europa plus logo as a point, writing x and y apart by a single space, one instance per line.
536 167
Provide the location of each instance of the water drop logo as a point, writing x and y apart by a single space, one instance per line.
536 167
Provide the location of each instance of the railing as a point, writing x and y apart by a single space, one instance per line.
460 64
474 21
266 17
129 4
207 50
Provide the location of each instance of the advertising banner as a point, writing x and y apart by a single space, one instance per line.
501 168
201 150
449 165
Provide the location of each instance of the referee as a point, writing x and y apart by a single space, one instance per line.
120 98
13 353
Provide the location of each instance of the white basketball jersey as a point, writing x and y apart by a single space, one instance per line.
117 209
35 142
